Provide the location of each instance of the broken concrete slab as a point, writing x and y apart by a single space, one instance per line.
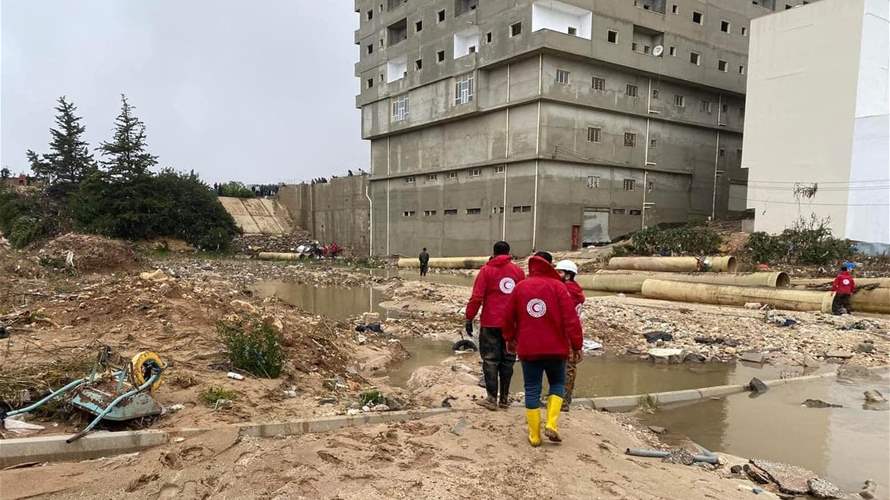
757 386
666 355
839 354
790 479
818 403
752 357
820 488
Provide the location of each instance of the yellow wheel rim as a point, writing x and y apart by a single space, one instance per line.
137 364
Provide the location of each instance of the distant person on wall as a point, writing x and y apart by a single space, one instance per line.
491 292
843 288
542 327
568 270
424 258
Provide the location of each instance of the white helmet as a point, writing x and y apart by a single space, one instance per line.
567 265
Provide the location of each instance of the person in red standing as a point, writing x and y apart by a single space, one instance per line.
491 291
568 270
543 328
843 287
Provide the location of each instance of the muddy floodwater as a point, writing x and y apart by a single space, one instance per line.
333 302
846 445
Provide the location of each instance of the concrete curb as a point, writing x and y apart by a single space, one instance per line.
98 444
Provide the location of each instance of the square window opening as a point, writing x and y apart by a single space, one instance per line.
612 36
516 29
672 51
725 26
488 37
440 56
630 139
475 172
562 77
598 83
629 184
632 90
698 17
418 26
474 211
594 134
695 58
722 65
464 89
680 101
440 16
418 64
593 182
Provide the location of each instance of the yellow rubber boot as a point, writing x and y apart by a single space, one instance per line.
554 406
534 426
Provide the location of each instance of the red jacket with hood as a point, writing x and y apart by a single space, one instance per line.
577 294
541 315
491 290
844 284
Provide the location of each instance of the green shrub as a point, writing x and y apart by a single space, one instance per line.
253 346
213 396
807 241
765 248
695 240
23 219
235 189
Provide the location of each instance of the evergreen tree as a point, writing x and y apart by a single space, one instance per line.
5 173
69 160
126 155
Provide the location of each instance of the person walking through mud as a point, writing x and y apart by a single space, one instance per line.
843 287
543 329
424 259
491 291
568 270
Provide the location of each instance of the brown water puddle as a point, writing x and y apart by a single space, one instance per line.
333 302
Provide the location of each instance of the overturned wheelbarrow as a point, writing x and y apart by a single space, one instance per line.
111 393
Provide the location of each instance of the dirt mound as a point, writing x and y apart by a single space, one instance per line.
87 253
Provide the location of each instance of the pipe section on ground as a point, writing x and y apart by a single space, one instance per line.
876 300
721 264
445 262
826 282
728 295
278 256
632 281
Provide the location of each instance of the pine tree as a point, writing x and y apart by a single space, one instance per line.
69 160
127 158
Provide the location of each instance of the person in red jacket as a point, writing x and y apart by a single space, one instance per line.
491 291
567 270
544 330
843 288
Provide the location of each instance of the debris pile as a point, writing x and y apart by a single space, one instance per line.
86 253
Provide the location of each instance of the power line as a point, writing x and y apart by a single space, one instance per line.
805 203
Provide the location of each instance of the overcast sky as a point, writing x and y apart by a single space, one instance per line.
250 90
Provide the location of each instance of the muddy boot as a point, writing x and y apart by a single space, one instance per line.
488 403
566 403
504 402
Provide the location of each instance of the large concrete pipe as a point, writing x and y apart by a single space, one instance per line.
445 262
826 282
723 264
876 300
632 281
278 256
780 298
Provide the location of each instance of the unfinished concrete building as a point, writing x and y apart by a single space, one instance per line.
551 124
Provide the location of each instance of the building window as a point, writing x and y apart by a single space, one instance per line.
418 64
474 211
630 139
440 56
695 58
744 31
452 175
725 108
440 16
400 108
672 51
653 143
370 83
516 29
655 93
618 211
370 48
572 30
594 134
680 101
432 177
463 89
706 107
675 9
475 172
418 26
450 211
429 213
408 213
380 42
409 179
593 182
629 184
598 83
698 17
631 90
612 36
488 37
497 210
370 14
722 65
562 77
382 79
499 169
722 152
634 211
517 209
725 26
741 69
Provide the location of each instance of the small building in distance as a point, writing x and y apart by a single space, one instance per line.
816 127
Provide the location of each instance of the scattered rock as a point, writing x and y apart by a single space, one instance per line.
756 474
752 357
461 368
708 340
657 430
874 396
789 478
459 427
865 347
736 469
753 305
665 355
694 357
243 306
818 403
839 354
729 350
157 275
820 488
757 386
680 456
853 372
869 489
652 337
327 400
809 362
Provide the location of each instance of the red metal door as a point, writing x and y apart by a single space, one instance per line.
576 237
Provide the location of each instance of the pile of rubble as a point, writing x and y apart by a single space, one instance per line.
251 244
87 253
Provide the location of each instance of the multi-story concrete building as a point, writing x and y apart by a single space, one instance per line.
551 124
836 164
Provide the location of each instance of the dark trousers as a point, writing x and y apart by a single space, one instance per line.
533 372
841 301
497 363
423 269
